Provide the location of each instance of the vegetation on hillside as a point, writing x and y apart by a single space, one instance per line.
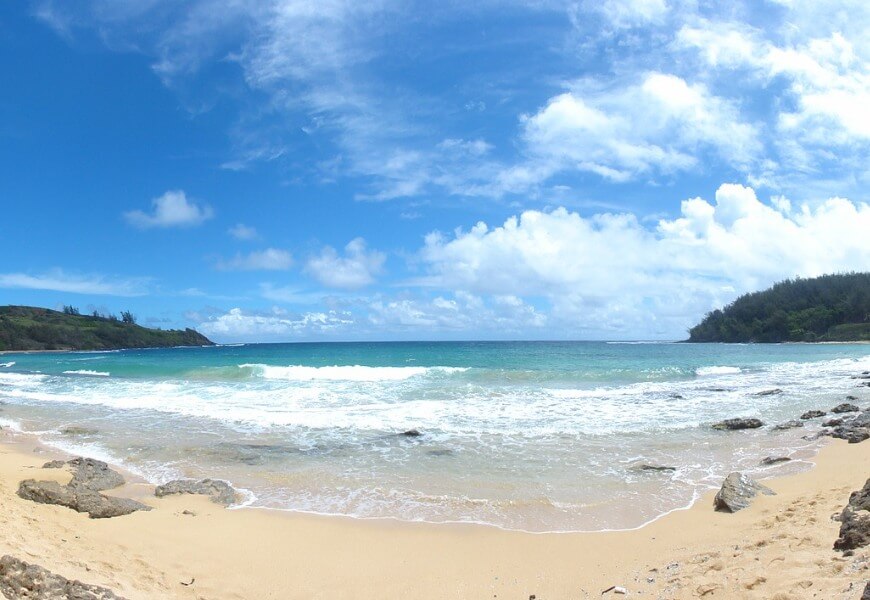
29 328
823 309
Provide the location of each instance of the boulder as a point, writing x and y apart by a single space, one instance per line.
855 521
737 492
788 425
813 414
740 423
78 498
94 474
773 460
219 492
845 407
832 423
19 579
412 433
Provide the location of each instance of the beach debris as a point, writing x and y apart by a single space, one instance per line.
188 584
773 392
616 589
737 492
79 498
739 423
845 407
219 492
855 521
813 414
412 433
19 579
788 425
773 460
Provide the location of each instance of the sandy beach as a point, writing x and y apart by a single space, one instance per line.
779 548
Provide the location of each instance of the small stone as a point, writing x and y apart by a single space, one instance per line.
737 492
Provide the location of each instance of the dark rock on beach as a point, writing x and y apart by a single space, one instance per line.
832 423
94 474
813 414
737 492
219 492
741 423
19 579
845 407
774 460
854 430
855 521
79 498
788 425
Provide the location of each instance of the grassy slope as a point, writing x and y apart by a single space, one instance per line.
30 328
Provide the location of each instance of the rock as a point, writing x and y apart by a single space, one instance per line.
788 425
813 414
866 594
94 474
54 464
742 423
220 492
19 579
654 468
75 430
845 407
853 398
412 433
773 460
854 430
78 498
676 396
737 492
832 423
773 392
855 521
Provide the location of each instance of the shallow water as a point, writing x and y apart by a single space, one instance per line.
535 436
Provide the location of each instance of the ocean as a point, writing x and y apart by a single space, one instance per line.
532 436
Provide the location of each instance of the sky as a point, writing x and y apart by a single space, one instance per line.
289 170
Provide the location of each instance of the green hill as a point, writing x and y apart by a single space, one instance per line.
831 308
29 328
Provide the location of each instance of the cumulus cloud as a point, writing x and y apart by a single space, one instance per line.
172 209
240 231
277 324
60 281
356 269
270 259
610 271
656 125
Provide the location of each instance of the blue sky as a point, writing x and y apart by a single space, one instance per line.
293 170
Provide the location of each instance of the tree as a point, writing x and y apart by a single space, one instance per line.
70 310
127 317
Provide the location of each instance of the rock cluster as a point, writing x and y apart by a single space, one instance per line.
854 430
219 492
740 423
737 492
855 521
82 493
19 579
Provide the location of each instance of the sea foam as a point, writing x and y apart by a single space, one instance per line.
344 373
88 373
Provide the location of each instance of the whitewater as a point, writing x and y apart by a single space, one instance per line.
535 436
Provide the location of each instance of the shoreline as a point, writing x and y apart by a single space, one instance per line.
282 554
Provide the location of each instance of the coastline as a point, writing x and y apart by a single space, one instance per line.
780 547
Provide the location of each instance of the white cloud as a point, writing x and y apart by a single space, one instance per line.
628 13
609 272
656 125
172 209
277 324
60 281
270 259
240 231
357 268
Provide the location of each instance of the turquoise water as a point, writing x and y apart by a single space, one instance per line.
538 436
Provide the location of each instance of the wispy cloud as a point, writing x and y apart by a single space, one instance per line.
270 259
60 281
240 231
172 209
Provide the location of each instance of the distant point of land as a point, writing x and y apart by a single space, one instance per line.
830 308
27 328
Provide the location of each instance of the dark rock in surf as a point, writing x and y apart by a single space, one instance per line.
832 423
845 407
75 430
19 579
219 492
773 392
774 460
735 424
813 414
411 433
788 425
78 498
855 521
655 468
737 493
